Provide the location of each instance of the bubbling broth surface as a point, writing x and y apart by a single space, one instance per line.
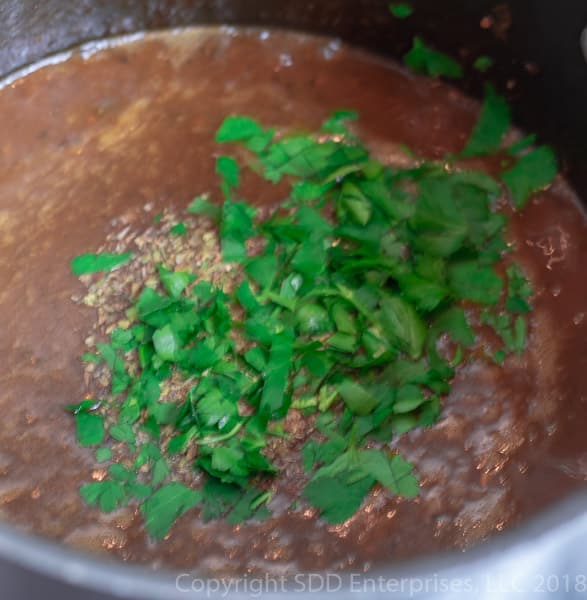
111 136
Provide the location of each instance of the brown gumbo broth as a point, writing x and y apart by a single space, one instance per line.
105 140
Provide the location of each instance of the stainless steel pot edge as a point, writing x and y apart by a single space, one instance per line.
534 544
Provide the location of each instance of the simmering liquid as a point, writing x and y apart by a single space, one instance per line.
112 135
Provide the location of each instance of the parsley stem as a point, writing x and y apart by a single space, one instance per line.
214 439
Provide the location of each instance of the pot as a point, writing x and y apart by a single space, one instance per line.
543 73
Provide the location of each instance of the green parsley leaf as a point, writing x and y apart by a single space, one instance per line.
358 205
356 397
165 506
246 130
532 173
150 303
122 340
246 298
120 473
140 491
123 433
218 498
160 471
315 453
310 258
454 322
201 206
235 228
343 342
401 10
439 226
120 378
427 61
94 263
274 399
229 171
402 325
339 497
499 356
519 290
344 319
167 343
493 124
483 63
313 319
238 129
89 357
409 397
336 123
262 269
108 495
175 282
426 295
84 406
522 144
305 191
248 506
179 229
302 156
90 429
103 454
393 472
520 334
469 281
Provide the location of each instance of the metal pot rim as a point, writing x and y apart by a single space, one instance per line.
549 529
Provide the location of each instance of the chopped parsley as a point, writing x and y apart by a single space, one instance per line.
492 125
202 206
90 429
483 63
178 229
103 454
423 59
533 172
338 313
94 263
401 10
168 503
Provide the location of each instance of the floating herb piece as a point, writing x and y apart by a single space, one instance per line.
338 497
427 61
90 429
103 454
533 172
245 130
235 228
165 506
108 495
522 144
178 229
483 63
229 172
519 290
401 10
94 263
202 206
492 125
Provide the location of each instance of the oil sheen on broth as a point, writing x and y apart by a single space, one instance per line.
111 136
